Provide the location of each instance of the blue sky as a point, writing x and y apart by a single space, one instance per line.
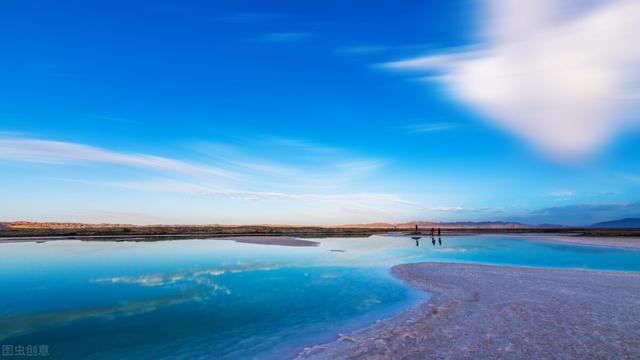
318 113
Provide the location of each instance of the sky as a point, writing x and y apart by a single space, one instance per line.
319 113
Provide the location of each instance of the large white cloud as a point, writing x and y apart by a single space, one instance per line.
564 75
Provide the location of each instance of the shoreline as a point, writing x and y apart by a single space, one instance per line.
626 243
151 232
631 243
486 311
256 239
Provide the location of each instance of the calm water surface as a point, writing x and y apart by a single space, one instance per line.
226 300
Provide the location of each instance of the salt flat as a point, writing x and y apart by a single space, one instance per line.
499 312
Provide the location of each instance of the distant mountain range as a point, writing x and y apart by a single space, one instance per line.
628 223
377 225
453 225
74 225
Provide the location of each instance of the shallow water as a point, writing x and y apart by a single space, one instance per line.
227 300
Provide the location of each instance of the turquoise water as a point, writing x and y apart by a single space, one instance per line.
226 300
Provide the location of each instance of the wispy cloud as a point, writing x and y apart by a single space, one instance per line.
304 164
579 214
429 127
458 209
426 63
111 118
369 200
362 49
301 144
284 37
269 168
301 171
46 151
120 216
7 133
562 194
634 178
561 75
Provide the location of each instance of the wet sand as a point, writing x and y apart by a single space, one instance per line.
270 240
629 243
497 312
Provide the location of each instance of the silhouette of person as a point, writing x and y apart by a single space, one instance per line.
433 241
433 231
440 241
438 231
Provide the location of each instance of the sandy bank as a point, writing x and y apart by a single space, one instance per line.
629 243
491 312
270 240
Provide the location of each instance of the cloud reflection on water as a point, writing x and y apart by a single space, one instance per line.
195 286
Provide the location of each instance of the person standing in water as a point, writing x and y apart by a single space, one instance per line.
438 232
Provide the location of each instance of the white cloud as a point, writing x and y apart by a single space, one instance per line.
325 180
458 209
299 144
46 151
561 194
565 78
429 127
367 200
275 161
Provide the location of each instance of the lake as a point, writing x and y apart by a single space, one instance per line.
227 300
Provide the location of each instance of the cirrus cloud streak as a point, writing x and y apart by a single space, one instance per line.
58 152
